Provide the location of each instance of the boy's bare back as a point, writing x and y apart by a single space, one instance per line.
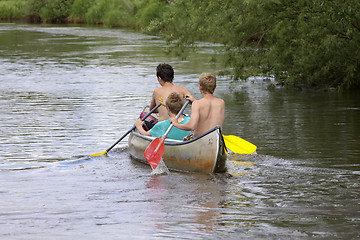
209 113
163 92
206 113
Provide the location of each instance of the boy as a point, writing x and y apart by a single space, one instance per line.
165 76
206 113
174 103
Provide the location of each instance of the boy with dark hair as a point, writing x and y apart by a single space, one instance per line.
165 76
165 72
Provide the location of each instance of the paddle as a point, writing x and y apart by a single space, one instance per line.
239 145
142 119
155 150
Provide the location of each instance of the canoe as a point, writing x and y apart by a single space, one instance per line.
205 153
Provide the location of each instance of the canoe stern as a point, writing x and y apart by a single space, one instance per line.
203 154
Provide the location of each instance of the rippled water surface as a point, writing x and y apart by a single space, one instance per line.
68 92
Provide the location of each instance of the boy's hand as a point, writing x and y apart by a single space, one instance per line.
139 123
161 102
174 121
190 98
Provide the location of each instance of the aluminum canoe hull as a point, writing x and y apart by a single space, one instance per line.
205 153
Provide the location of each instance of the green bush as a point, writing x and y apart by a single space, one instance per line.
111 12
96 12
117 18
79 9
12 9
32 9
54 11
150 11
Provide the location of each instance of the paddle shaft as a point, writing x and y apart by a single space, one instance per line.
142 119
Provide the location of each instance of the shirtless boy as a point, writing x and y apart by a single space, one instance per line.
165 76
207 112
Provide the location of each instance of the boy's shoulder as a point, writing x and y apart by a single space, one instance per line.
205 101
158 89
181 89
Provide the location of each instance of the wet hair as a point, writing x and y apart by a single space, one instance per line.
208 82
174 102
165 72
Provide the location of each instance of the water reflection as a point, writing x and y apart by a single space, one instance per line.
298 124
189 204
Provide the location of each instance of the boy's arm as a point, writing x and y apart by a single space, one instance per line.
188 96
191 98
153 102
194 119
138 125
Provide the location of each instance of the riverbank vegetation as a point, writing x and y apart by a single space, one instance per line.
304 43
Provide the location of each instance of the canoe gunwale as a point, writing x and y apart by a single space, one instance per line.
175 142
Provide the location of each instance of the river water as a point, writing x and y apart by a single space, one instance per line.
71 91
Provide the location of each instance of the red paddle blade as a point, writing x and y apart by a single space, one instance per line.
154 152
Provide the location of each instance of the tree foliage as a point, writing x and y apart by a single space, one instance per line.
55 11
10 9
150 11
301 43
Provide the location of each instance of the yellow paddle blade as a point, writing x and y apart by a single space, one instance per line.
98 154
239 145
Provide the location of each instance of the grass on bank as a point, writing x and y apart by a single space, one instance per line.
12 9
